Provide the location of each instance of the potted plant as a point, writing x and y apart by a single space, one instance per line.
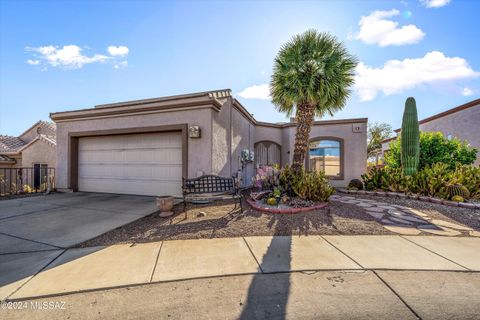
165 205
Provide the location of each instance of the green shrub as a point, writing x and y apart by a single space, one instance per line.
431 180
372 180
434 148
306 185
438 180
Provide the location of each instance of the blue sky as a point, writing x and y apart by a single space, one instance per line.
65 55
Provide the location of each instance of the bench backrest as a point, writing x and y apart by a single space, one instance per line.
209 184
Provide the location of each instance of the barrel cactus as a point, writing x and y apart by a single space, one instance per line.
453 190
410 141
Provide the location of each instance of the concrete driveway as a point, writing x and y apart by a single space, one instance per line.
63 220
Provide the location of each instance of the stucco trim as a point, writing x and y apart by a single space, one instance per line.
315 123
73 137
342 155
121 111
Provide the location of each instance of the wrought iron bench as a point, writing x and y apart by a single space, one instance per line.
209 188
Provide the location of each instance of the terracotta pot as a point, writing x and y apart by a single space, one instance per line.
165 204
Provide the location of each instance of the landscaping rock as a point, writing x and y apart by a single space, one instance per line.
436 200
474 233
376 215
450 203
417 212
440 231
467 205
451 225
397 213
401 221
365 205
375 209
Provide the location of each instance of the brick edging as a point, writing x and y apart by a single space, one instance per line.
289 211
467 205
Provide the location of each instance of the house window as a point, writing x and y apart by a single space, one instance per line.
267 153
326 155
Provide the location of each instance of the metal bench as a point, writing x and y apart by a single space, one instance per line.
210 188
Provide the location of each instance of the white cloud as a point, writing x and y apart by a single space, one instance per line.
67 57
377 29
261 92
122 64
467 92
397 76
33 62
434 3
72 56
120 51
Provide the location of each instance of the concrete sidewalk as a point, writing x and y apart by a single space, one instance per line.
58 272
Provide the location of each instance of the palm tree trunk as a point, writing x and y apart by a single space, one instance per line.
305 117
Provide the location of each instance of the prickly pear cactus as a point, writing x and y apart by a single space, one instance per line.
410 138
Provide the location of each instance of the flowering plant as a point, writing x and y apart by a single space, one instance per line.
267 177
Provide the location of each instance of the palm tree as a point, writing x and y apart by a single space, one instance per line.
312 75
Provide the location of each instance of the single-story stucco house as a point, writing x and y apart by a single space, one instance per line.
146 146
462 122
32 154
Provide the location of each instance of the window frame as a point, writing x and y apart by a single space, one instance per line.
341 175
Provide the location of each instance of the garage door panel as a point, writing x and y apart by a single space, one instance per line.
149 156
146 164
147 188
119 171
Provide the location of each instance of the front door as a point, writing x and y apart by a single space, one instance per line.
39 175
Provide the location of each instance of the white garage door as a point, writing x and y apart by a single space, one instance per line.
143 164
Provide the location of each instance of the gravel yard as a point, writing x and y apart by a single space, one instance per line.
217 220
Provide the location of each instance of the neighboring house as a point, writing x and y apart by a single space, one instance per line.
35 148
147 146
462 122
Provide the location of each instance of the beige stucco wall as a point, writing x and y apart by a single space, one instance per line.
39 152
355 147
464 124
32 133
199 150
232 132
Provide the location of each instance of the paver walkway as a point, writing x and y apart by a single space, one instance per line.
56 272
405 220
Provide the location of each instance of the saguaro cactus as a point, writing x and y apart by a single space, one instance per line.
410 138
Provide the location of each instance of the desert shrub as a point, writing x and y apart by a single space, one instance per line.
312 186
372 180
438 180
434 148
355 184
469 177
306 185
431 180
